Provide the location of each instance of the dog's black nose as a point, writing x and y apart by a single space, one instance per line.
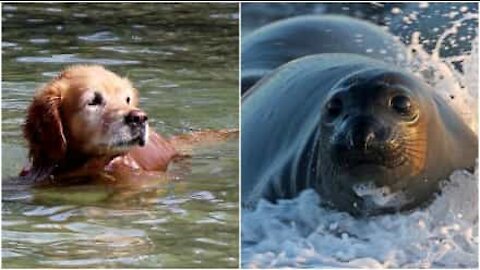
136 117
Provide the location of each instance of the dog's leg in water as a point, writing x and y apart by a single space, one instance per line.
186 143
158 152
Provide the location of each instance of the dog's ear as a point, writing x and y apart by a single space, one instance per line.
43 127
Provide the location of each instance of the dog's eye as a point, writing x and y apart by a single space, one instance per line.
128 100
97 100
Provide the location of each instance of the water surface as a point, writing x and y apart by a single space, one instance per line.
183 58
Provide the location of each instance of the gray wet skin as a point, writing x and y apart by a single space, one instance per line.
270 46
333 121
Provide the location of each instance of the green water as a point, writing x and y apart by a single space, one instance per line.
183 58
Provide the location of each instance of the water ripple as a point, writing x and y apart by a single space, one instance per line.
72 58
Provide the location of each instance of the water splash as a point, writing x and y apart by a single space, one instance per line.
458 88
300 233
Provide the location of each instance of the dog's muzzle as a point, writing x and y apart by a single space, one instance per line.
137 121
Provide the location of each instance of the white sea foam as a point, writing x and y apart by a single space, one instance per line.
300 233
379 196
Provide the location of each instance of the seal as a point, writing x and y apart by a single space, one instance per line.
367 135
270 46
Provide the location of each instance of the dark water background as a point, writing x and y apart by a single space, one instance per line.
430 19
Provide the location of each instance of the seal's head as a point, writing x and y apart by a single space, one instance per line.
374 135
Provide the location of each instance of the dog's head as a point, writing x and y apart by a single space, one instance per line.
85 111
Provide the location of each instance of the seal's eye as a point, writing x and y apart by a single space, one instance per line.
96 100
334 107
401 104
128 100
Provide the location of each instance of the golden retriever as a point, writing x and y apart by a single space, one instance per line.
86 122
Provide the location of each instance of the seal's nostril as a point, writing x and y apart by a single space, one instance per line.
362 133
361 139
369 138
